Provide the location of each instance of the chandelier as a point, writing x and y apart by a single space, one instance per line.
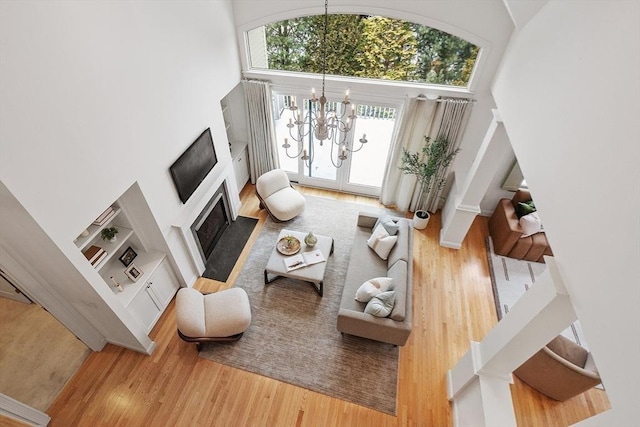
322 120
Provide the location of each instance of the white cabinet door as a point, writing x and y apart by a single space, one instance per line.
149 304
145 309
241 168
163 284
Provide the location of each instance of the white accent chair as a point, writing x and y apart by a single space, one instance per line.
278 197
219 316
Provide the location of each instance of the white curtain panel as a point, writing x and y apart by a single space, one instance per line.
452 116
415 121
263 155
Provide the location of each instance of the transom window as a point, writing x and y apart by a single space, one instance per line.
371 47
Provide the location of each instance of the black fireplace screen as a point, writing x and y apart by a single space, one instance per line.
212 224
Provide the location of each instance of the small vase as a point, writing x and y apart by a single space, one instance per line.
310 240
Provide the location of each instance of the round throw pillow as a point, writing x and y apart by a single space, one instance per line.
381 305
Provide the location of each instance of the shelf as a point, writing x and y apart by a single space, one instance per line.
147 262
94 230
113 247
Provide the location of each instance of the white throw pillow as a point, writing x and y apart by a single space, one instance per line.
381 305
373 287
530 224
381 242
389 224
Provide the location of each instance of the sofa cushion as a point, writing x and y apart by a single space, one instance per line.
401 250
381 242
373 287
399 275
381 305
363 265
388 223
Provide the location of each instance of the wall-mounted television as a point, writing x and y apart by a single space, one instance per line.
194 165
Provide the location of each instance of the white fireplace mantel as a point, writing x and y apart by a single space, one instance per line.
192 210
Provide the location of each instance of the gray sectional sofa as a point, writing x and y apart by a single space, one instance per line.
364 265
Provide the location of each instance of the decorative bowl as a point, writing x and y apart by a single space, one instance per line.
288 245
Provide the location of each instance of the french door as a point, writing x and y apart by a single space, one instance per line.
362 170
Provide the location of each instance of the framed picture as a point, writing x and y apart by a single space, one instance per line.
128 256
133 272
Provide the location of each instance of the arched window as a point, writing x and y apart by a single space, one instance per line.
372 47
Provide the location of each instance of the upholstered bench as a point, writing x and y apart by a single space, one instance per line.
219 316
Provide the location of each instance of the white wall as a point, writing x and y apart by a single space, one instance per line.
569 95
99 95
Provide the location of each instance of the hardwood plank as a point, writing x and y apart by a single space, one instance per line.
453 304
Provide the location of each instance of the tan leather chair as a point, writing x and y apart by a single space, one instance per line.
561 370
506 233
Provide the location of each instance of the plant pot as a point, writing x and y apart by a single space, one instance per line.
420 219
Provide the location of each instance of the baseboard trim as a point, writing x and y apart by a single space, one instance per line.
450 245
19 411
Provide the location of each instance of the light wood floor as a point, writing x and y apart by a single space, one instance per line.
453 304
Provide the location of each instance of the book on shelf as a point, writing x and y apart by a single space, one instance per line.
104 216
93 253
99 259
303 259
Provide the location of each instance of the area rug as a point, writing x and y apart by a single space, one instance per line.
293 336
511 278
225 254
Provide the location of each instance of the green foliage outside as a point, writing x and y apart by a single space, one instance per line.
370 47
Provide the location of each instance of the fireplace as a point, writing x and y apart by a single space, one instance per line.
211 223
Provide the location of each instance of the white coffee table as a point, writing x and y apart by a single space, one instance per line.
313 274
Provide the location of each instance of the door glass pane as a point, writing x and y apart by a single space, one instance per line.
281 115
321 165
367 165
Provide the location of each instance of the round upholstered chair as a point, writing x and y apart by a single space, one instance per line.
278 197
219 316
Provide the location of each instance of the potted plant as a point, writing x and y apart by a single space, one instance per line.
109 234
437 155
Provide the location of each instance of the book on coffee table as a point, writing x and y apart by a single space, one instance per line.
303 259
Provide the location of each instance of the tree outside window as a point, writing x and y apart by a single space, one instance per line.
370 47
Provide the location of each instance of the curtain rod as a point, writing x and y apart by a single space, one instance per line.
445 99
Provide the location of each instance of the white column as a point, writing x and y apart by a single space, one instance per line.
478 386
463 203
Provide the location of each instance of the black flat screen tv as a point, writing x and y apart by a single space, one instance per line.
194 165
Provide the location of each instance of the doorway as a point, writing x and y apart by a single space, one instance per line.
362 170
38 355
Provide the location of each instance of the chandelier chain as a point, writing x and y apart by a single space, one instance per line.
324 43
323 122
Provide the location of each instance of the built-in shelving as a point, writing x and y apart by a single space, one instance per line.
147 297
147 263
